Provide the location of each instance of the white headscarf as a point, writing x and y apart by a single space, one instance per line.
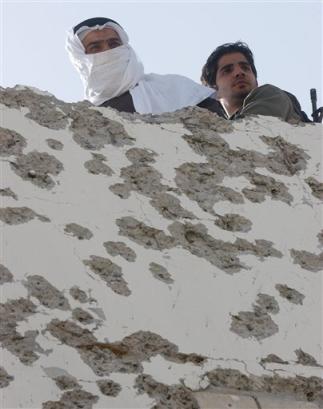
111 73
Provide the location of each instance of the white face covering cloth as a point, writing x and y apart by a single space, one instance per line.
111 73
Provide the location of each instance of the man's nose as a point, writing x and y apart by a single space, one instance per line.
238 71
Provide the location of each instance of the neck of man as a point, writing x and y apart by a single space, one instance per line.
232 106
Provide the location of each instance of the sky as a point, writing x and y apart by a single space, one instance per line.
170 37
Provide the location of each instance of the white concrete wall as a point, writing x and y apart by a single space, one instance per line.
219 277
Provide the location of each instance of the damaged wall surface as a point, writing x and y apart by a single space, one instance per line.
147 257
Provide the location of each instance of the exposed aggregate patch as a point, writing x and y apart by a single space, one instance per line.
290 294
8 193
76 230
5 378
19 215
96 166
108 387
64 382
46 293
5 275
273 358
125 356
160 273
139 155
36 167
79 295
233 222
75 399
11 142
109 272
91 130
309 388
257 324
82 316
197 241
165 396
55 144
23 346
45 110
118 248
307 260
170 207
304 358
316 187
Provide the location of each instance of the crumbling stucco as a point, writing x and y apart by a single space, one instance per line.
290 294
108 387
79 295
76 230
5 378
5 275
307 260
109 272
8 193
96 166
160 273
36 167
11 143
75 399
18 215
82 316
316 187
118 248
55 144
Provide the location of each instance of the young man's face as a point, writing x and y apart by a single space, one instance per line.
97 41
234 77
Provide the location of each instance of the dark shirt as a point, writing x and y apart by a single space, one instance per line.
124 103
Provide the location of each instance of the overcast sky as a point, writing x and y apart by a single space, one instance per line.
170 37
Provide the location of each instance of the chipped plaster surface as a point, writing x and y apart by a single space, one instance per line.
146 257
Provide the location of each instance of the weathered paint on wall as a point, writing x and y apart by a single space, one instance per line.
143 258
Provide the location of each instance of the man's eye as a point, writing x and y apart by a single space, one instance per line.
114 43
246 67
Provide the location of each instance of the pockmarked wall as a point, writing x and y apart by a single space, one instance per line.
146 258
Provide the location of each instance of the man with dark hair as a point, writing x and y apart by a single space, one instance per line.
113 75
231 71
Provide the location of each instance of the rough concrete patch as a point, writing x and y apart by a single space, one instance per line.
320 237
165 396
233 222
120 189
144 235
307 260
79 295
82 233
96 165
118 248
272 358
64 382
109 387
70 333
55 144
287 159
316 187
266 186
290 294
310 388
93 131
266 304
110 273
160 273
46 110
23 346
8 192
138 155
5 275
82 316
304 358
75 399
11 143
170 207
36 168
262 248
19 215
5 378
143 178
253 324
201 183
45 293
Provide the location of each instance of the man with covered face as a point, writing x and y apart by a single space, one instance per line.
113 75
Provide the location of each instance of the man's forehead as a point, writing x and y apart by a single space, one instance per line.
100 34
232 58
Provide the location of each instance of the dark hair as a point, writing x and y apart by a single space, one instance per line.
211 66
92 22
